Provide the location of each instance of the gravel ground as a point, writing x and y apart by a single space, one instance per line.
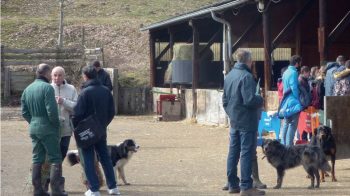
175 158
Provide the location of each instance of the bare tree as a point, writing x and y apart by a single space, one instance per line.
60 33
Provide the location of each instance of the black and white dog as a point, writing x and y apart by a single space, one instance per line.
120 155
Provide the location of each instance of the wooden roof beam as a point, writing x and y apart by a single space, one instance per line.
291 23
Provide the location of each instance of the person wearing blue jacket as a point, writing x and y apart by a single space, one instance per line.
242 105
290 105
329 81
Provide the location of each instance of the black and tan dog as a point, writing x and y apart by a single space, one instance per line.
120 155
283 158
327 143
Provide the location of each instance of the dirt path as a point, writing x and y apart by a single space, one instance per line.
175 158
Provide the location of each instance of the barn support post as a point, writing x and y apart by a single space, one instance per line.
298 33
171 50
267 48
152 53
195 67
322 47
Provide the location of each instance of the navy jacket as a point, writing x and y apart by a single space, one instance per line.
94 96
104 78
240 100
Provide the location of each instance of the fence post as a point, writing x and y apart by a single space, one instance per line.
7 84
2 56
115 89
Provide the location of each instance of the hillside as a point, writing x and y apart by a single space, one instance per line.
112 24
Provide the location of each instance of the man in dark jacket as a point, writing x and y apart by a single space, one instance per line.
102 75
39 109
242 105
96 99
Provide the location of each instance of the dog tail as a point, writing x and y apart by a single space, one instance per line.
73 157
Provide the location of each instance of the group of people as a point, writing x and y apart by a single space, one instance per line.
243 105
297 93
52 111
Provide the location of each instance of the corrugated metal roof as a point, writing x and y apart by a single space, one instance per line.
196 13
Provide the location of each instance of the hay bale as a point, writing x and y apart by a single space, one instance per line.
183 52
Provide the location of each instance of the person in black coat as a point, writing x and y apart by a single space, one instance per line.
102 75
96 99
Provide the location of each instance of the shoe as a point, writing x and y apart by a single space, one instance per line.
259 185
255 175
114 191
90 193
225 188
252 192
234 190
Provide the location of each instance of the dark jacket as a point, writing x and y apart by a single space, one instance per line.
104 78
329 80
39 108
94 96
240 100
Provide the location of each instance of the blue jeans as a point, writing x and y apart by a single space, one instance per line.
242 146
105 160
289 128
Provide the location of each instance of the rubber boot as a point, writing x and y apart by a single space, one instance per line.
255 174
36 180
46 185
62 184
56 180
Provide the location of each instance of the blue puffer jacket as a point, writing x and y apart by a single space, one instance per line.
329 80
290 104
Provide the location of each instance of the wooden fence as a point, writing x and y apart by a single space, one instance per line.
135 101
14 82
51 56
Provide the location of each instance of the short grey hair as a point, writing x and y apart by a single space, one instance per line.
58 69
243 56
42 69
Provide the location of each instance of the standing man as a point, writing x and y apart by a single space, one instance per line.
39 109
290 105
242 105
96 99
102 75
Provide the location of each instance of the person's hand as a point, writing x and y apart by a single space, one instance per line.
59 100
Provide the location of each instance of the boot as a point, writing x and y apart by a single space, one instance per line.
36 180
255 174
56 180
46 185
62 184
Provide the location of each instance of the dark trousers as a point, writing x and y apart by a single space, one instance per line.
105 160
64 144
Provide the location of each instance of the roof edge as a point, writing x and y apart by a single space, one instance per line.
194 14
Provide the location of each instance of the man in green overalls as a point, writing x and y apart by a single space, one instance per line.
39 109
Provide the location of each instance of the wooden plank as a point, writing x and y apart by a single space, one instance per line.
52 62
42 50
337 109
42 56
